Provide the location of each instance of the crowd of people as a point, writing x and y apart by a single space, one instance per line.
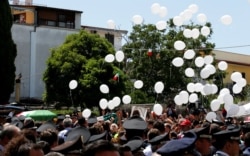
169 134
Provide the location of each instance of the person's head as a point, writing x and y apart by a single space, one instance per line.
8 133
101 148
203 142
247 139
30 134
228 140
153 132
82 122
160 126
113 128
67 122
30 149
12 147
185 125
134 126
125 151
50 136
45 146
167 127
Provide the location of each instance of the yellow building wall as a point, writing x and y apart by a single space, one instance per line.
237 68
29 17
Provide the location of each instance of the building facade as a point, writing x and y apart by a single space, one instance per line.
236 63
36 29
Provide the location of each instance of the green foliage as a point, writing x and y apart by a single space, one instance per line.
81 58
158 66
8 53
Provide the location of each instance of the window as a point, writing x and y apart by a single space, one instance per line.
110 38
51 23
62 18
93 31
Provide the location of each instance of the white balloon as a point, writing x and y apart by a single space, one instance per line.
191 87
116 101
163 11
159 87
86 113
211 68
228 99
138 84
207 89
233 110
189 72
236 76
195 33
242 82
111 24
109 58
193 97
214 89
187 33
221 98
119 56
226 19
161 25
184 96
210 116
126 99
155 8
204 73
241 111
178 62
202 18
157 109
137 19
73 84
236 89
111 105
179 45
199 61
178 21
205 31
189 54
198 87
104 89
103 103
177 100
208 59
194 8
215 105
224 91
187 15
222 65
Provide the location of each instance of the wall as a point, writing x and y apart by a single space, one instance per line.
33 49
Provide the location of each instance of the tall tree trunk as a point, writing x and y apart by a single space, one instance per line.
8 53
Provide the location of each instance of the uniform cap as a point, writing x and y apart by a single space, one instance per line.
134 144
135 122
96 137
179 146
158 139
74 133
45 126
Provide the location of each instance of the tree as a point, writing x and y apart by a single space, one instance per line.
81 58
150 53
8 53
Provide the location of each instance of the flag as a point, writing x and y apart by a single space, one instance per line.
116 77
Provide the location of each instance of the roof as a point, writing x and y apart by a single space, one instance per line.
44 8
104 29
233 58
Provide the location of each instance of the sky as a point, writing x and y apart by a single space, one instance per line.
232 37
